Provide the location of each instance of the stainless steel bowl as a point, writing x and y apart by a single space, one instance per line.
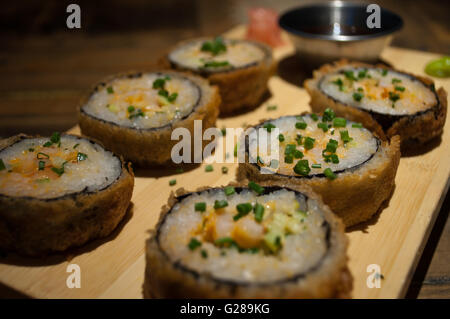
330 31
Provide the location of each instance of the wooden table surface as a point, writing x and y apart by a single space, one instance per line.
43 76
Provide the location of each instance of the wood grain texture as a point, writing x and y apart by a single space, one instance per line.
114 267
437 281
431 278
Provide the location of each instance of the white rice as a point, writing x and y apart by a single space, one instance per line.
100 169
139 93
238 54
299 253
359 150
416 96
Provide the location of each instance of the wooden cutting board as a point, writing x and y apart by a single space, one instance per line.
394 240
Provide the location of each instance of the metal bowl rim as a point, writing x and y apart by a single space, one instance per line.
339 38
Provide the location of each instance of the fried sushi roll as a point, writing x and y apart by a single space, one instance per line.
59 192
134 114
350 167
247 242
240 68
401 103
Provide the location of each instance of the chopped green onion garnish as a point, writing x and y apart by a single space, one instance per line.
194 243
159 83
257 188
394 80
215 46
339 83
272 108
55 138
220 204
136 114
302 167
316 165
76 145
204 253
130 109
172 97
229 190
41 155
400 88
179 170
393 96
326 156
357 125
299 139
289 159
289 149
345 137
323 126
258 210
200 207
339 122
224 240
334 158
259 160
223 131
81 156
349 75
309 143
384 72
41 165
281 138
163 93
329 173
357 96
298 154
269 127
314 117
216 64
2 165
243 209
209 168
290 152
224 170
328 115
31 149
60 170
172 182
110 90
362 74
332 146
301 125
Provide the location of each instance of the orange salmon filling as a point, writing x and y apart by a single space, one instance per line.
250 226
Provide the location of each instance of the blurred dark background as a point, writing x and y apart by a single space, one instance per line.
45 68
